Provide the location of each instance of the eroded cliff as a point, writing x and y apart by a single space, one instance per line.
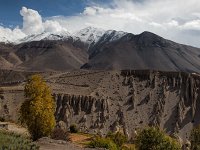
103 101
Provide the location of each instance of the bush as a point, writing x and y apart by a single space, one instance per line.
118 138
60 134
154 139
14 141
195 138
73 129
102 143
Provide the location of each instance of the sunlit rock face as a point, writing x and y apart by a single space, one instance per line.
128 100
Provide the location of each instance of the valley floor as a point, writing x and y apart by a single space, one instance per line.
77 140
48 144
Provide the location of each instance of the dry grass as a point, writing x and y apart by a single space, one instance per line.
12 127
81 139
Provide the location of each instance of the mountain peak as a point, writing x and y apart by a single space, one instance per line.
115 35
45 36
89 34
4 40
149 34
147 38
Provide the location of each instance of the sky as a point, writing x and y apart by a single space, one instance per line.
177 20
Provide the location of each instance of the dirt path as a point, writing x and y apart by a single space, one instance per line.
49 144
76 138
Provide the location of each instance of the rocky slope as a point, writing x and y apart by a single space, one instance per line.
96 49
144 51
102 101
50 55
43 55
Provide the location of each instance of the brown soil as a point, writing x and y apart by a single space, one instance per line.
49 144
77 138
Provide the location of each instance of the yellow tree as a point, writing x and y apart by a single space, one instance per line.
37 112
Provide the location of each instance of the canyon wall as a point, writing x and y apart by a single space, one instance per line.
103 101
169 100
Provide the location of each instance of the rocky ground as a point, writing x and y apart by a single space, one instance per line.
103 101
76 140
49 144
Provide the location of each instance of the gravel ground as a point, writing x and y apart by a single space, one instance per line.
49 144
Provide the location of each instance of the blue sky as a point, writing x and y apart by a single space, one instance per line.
9 9
177 20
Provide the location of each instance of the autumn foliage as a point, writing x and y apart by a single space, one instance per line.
37 112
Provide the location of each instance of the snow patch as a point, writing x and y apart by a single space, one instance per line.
45 36
89 35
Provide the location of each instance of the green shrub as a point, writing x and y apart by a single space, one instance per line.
73 129
118 138
12 141
195 138
60 134
103 143
154 139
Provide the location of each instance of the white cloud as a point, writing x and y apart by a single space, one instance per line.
192 25
172 23
168 18
52 26
9 34
95 10
32 24
178 20
32 21
155 24
90 11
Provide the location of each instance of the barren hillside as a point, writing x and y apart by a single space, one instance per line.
108 50
100 101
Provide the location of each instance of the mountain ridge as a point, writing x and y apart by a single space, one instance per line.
97 49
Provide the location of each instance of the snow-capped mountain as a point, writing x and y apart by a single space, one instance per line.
108 37
89 35
93 48
45 36
111 35
4 40
92 36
